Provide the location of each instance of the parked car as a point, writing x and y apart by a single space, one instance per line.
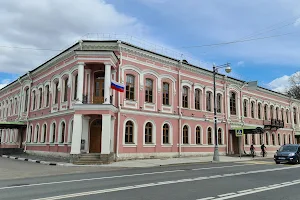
289 153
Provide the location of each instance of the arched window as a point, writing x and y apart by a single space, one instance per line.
166 93
287 116
37 132
47 95
66 89
26 100
259 110
209 136
16 106
30 134
220 138
273 139
252 109
208 101
245 104
148 133
219 103
197 99
198 135
185 97
75 87
290 139
149 90
246 139
185 135
265 112
272 112
56 92
70 131
130 85
261 139
33 100
282 113
277 113
53 133
295 115
129 132
62 134
267 139
41 98
44 133
232 103
278 137
284 139
253 139
166 132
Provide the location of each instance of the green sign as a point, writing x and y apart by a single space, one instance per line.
239 132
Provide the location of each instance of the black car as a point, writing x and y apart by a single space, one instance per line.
289 153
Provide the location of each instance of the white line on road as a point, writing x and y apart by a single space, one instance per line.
207 198
80 194
257 190
227 194
111 177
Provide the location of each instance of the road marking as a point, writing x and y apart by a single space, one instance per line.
227 194
111 177
229 166
80 194
207 198
258 162
256 190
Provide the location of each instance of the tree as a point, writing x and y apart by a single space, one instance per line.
294 90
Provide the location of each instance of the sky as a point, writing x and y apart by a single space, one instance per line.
260 39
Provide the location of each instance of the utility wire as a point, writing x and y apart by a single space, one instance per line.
238 41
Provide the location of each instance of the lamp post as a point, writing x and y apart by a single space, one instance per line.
215 71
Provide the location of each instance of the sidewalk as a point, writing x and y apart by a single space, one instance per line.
132 163
175 161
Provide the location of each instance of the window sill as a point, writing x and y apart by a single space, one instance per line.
129 145
166 145
149 145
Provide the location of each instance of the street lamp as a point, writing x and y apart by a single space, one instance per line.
215 71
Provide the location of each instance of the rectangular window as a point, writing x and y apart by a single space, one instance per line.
232 104
166 93
130 87
252 109
185 99
208 101
219 103
56 93
41 98
47 95
26 100
66 90
197 99
149 91
245 108
75 87
259 111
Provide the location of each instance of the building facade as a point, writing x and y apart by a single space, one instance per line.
66 107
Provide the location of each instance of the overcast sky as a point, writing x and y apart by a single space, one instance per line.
53 25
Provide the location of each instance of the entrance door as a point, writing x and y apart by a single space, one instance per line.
98 91
95 136
235 144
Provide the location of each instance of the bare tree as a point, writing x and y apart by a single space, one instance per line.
294 90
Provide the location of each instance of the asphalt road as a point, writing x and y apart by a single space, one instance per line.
249 180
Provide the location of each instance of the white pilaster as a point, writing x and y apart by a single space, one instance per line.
80 82
85 132
107 82
76 138
106 134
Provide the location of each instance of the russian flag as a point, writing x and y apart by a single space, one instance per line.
117 86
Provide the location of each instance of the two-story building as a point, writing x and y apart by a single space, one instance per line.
66 107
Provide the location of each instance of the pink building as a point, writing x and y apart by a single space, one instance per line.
66 107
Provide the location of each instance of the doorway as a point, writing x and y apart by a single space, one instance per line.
95 136
98 97
235 144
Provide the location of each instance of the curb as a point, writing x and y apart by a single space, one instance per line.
35 161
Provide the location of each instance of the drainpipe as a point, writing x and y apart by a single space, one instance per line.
179 109
119 101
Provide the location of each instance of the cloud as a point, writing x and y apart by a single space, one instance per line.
297 22
54 24
280 84
240 63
